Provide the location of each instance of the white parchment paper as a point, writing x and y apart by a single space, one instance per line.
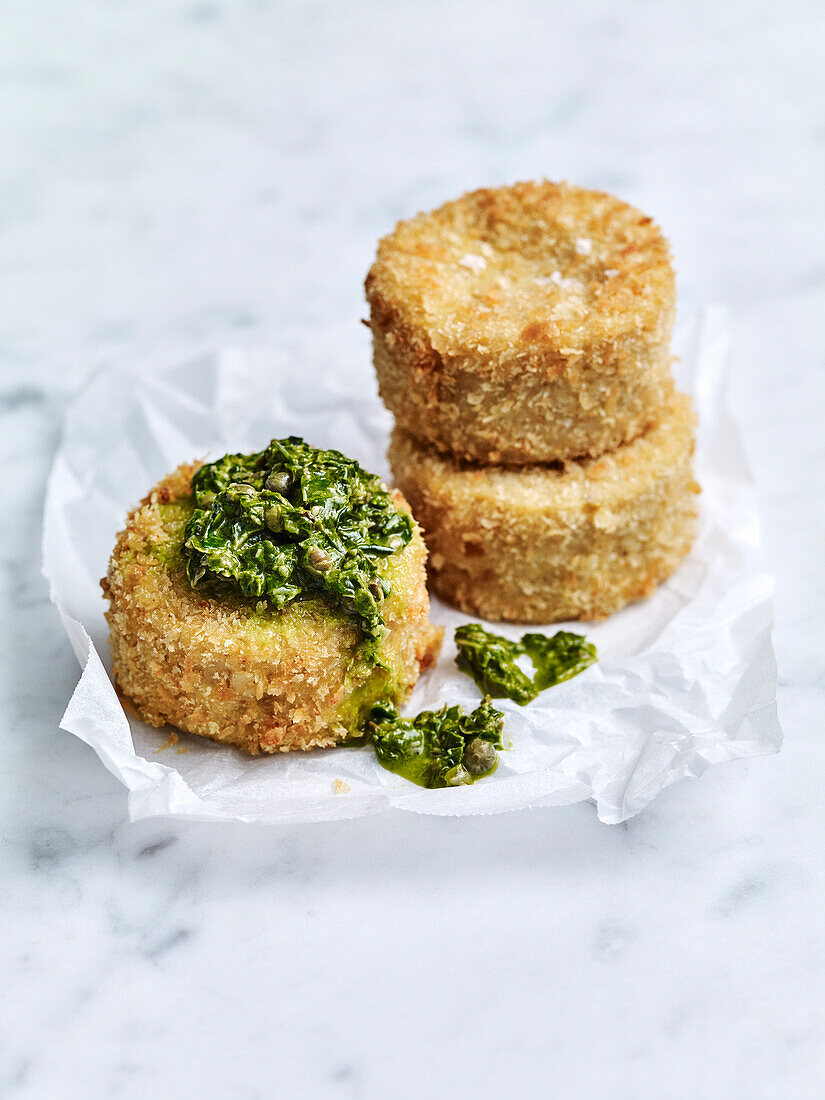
685 679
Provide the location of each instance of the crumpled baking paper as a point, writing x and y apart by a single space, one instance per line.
685 679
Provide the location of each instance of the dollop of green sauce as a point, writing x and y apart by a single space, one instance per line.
491 660
437 748
294 522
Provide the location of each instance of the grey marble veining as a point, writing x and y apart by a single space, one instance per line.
177 176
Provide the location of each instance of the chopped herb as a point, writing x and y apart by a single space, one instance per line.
292 522
491 660
437 748
559 658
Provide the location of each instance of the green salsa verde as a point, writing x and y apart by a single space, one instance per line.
491 660
437 748
447 747
293 522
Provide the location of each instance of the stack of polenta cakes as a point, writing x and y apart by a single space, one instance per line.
521 339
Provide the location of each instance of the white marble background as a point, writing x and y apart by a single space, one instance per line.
179 175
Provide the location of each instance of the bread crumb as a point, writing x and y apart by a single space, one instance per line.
474 263
170 743
583 246
340 787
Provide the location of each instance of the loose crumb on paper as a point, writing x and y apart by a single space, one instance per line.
173 740
340 787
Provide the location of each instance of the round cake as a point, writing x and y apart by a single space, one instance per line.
524 324
539 544
239 671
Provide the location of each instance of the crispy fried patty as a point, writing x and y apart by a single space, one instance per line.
539 544
263 680
524 324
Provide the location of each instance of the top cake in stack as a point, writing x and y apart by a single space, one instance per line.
527 329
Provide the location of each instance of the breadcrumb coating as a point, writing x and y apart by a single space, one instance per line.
524 324
265 681
539 544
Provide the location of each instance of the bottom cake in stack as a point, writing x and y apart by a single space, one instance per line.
578 539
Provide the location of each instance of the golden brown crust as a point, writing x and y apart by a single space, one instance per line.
524 324
543 544
263 681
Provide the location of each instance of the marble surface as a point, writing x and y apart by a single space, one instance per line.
177 176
